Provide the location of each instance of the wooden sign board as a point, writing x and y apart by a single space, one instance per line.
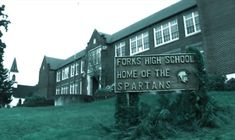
155 73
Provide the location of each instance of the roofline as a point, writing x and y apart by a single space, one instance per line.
67 61
152 19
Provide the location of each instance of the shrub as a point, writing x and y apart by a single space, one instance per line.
188 110
104 93
86 98
216 82
127 110
36 101
230 84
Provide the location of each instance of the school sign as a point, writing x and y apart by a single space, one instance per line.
155 73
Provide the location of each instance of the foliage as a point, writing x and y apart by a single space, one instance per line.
5 83
127 110
36 101
230 84
94 121
216 82
72 122
188 111
86 98
104 93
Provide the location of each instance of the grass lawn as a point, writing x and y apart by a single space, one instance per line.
82 121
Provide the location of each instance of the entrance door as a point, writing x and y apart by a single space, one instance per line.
95 84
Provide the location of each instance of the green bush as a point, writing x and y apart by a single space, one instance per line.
188 110
216 82
230 84
86 98
36 101
104 93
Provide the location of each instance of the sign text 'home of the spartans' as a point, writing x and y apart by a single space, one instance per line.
155 73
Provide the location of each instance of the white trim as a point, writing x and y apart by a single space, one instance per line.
76 68
89 85
120 46
80 87
58 76
162 35
72 70
194 24
65 73
135 38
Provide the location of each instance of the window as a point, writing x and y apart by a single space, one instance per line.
94 56
64 89
94 41
72 69
120 49
58 76
82 67
58 91
76 88
76 68
166 33
72 88
65 73
191 23
139 43
94 59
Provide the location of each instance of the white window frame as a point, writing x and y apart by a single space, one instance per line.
58 75
139 39
76 88
82 67
161 28
72 70
65 73
120 49
66 89
76 68
94 59
94 40
57 91
80 86
194 15
71 88
63 90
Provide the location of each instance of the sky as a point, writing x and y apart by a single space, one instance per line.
60 28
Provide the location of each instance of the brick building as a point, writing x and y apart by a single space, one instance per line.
205 24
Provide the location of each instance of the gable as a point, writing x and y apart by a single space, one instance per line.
97 38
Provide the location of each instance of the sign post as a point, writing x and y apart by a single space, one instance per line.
145 73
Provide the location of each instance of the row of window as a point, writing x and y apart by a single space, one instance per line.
163 34
94 59
73 88
72 70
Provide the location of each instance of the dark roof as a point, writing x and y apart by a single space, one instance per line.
106 36
53 62
14 66
156 17
23 91
72 58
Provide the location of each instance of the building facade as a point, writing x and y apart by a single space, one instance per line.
188 23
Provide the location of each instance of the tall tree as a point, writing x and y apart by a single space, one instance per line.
5 83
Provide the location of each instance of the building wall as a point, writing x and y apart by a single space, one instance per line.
107 57
96 78
215 39
43 83
51 84
218 26
181 43
71 95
